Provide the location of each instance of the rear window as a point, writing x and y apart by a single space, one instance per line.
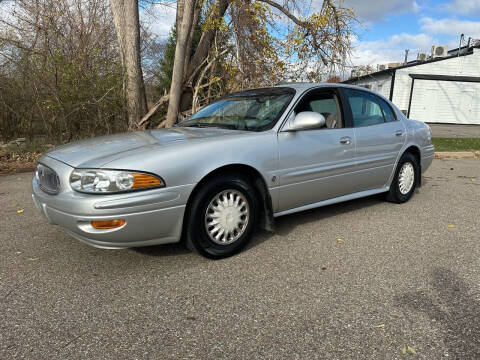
387 111
368 109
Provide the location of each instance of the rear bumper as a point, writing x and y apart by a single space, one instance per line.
151 217
427 157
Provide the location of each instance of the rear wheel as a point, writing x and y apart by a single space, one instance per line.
405 180
222 217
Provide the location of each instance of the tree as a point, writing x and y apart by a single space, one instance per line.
237 47
334 79
185 9
127 25
60 71
166 64
361 70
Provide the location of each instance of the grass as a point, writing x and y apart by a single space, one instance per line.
456 144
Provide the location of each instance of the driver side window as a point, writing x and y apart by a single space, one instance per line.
325 103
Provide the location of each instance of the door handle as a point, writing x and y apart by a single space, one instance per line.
345 140
399 133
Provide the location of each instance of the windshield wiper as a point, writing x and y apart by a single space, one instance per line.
212 125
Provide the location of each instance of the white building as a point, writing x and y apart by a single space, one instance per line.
441 89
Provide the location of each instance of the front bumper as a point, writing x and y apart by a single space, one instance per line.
152 217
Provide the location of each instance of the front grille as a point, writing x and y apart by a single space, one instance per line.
48 179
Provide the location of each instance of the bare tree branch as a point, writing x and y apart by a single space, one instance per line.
286 12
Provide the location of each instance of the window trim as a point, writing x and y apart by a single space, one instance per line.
395 118
346 118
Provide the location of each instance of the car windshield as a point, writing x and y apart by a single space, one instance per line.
254 110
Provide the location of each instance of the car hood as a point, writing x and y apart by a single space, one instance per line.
98 152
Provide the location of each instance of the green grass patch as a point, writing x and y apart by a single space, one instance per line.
456 144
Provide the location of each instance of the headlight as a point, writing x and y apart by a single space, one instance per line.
112 181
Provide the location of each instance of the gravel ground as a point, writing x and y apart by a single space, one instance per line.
402 279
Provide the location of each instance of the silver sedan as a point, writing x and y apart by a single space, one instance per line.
236 164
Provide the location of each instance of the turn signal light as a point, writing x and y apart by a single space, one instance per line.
145 180
107 224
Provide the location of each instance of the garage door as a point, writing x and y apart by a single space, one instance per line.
451 102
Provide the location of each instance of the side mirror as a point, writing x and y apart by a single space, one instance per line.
306 120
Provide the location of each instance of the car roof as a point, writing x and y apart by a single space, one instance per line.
301 87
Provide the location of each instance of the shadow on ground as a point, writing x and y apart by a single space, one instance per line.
287 224
453 306
163 250
284 225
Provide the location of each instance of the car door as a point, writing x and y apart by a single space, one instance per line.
379 138
315 164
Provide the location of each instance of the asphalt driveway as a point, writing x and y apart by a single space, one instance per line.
360 280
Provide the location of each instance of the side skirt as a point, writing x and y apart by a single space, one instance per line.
339 199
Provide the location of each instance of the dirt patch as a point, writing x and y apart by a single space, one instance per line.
18 163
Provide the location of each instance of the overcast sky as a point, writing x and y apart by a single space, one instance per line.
388 27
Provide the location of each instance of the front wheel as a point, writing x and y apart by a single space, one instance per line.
405 180
222 217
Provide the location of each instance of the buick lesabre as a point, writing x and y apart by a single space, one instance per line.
234 165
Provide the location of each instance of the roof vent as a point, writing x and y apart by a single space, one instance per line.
422 56
381 67
439 51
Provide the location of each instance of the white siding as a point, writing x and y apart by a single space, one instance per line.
436 101
445 102
378 83
468 65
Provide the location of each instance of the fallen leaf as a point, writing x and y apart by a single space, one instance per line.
380 326
404 350
450 226
18 252
191 318
340 241
412 350
473 180
33 259
14 205
20 211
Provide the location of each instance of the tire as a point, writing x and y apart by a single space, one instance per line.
408 165
200 235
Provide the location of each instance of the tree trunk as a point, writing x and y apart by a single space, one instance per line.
217 11
179 62
188 51
198 59
180 7
127 26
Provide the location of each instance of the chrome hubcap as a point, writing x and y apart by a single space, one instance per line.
226 217
406 177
